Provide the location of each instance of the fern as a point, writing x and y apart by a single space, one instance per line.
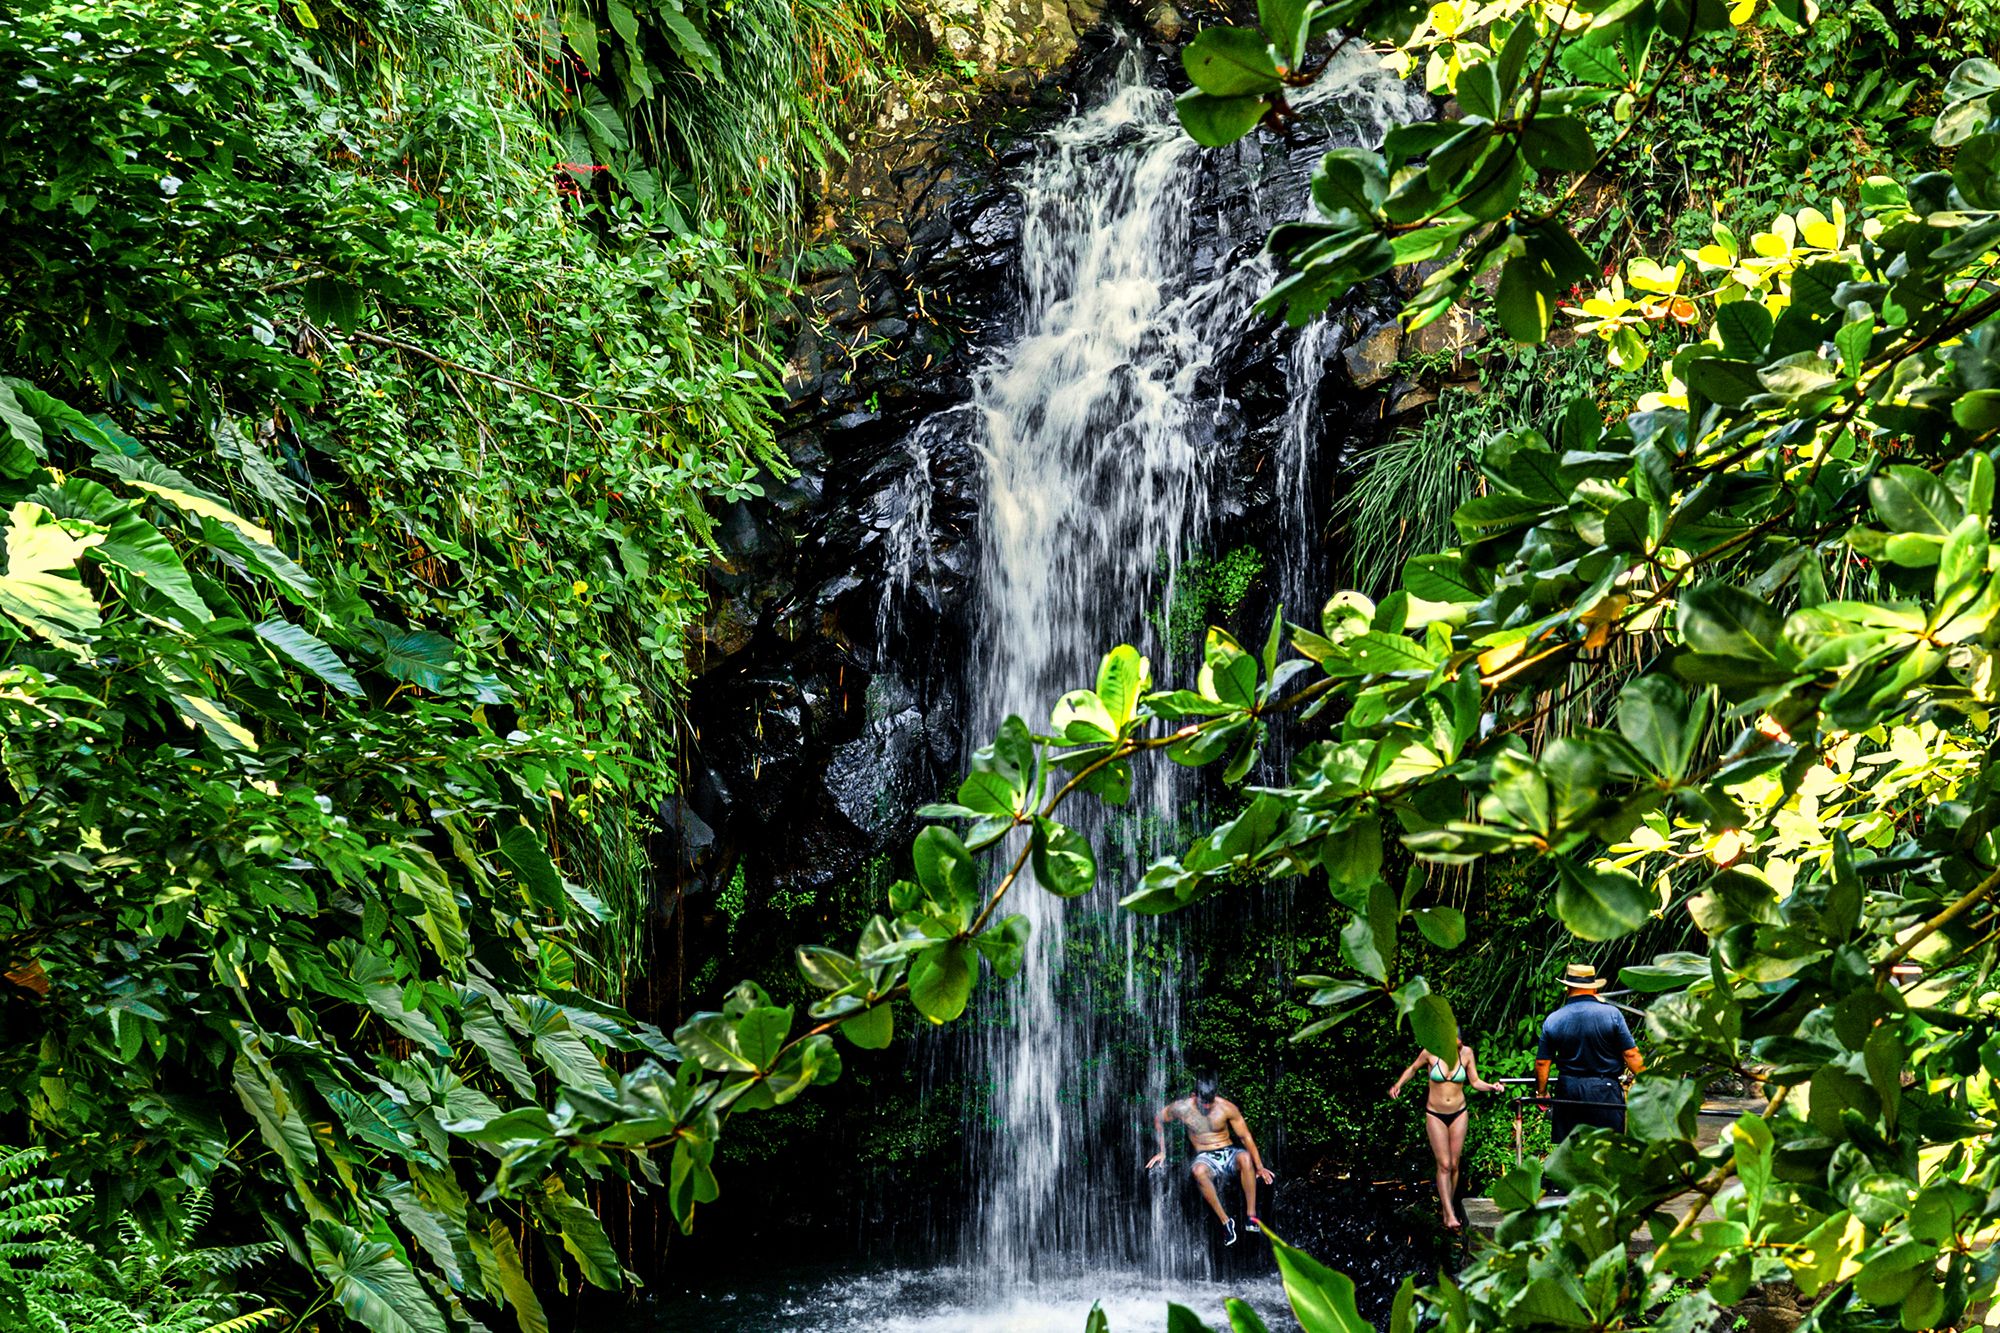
245 1323
54 1281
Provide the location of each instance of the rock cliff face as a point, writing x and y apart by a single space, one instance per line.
819 723
824 711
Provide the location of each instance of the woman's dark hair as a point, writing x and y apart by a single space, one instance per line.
1204 1089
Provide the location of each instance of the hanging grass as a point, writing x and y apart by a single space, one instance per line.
732 132
1401 504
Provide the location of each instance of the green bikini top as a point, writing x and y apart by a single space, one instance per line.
1439 1076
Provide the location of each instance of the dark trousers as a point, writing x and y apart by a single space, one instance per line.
1604 1106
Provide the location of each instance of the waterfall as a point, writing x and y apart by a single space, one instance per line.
906 524
1299 583
1098 433
1093 443
1128 413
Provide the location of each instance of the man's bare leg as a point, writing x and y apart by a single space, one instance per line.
1206 1181
1248 1176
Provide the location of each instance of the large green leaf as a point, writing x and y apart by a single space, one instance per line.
1909 499
562 1048
21 428
1081 718
274 1111
440 1234
375 1288
1599 904
579 26
1349 180
941 980
1558 143
1243 1319
308 652
1442 926
220 526
583 1235
1548 1301
1123 678
424 879
1442 578
1218 121
1322 1299
1230 62
479 1023
523 848
41 588
513 1281
946 869
1524 305
687 40
1653 716
145 559
286 573
872 1030
1228 674
1063 861
219 723
417 656
1436 1029
1725 621
1005 945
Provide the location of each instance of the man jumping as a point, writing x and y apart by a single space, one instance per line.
1210 1122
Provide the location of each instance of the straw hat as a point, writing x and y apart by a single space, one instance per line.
1582 976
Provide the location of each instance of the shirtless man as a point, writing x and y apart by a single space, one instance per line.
1210 1121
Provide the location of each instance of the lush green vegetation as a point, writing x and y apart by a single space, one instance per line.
370 372
358 441
1204 589
53 1281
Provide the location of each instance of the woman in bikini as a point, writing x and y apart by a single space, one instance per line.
1445 1118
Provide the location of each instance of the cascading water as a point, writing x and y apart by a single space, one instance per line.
1099 443
1093 444
1098 426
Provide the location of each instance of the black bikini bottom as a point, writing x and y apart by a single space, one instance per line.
1446 1117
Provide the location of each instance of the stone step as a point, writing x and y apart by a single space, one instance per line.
1483 1217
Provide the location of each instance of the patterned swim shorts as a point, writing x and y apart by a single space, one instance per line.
1221 1161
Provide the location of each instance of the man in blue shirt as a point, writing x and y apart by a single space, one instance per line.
1588 1041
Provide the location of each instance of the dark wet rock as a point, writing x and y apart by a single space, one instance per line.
1411 398
836 299
1370 359
1775 1307
686 832
1456 332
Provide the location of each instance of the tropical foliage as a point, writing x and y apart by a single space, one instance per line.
357 447
356 471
